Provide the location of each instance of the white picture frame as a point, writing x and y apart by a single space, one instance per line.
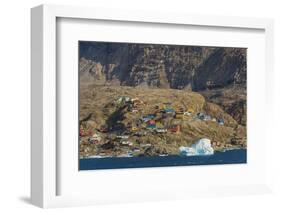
44 154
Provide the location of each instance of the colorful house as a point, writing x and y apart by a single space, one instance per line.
190 110
169 110
151 116
179 115
175 129
201 116
221 121
161 130
148 117
158 123
151 124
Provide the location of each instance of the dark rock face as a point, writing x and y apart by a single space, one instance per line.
226 66
163 66
238 111
103 62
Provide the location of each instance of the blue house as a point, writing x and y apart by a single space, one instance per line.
169 110
221 121
151 126
148 117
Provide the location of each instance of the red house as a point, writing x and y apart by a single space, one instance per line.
175 129
151 122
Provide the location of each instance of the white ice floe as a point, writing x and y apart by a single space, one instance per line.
96 156
201 147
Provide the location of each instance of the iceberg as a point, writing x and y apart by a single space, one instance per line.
187 151
201 147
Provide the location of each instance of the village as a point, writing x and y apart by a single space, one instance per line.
136 129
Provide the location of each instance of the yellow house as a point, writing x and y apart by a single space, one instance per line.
179 115
190 110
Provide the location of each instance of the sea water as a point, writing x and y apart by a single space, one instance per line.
236 156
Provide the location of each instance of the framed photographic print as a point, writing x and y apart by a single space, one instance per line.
152 106
148 105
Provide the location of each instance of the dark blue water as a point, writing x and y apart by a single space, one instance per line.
237 156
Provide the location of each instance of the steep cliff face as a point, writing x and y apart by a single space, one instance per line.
163 66
103 62
225 66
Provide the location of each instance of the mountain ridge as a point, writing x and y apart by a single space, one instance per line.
162 66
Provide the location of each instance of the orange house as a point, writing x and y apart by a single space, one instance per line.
175 129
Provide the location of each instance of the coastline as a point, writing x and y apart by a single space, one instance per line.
235 156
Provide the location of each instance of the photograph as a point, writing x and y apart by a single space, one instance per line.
160 105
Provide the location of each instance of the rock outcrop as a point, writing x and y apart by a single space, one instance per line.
224 67
162 66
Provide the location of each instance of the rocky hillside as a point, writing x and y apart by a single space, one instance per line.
107 107
233 100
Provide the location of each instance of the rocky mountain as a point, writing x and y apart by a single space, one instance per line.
162 66
207 70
